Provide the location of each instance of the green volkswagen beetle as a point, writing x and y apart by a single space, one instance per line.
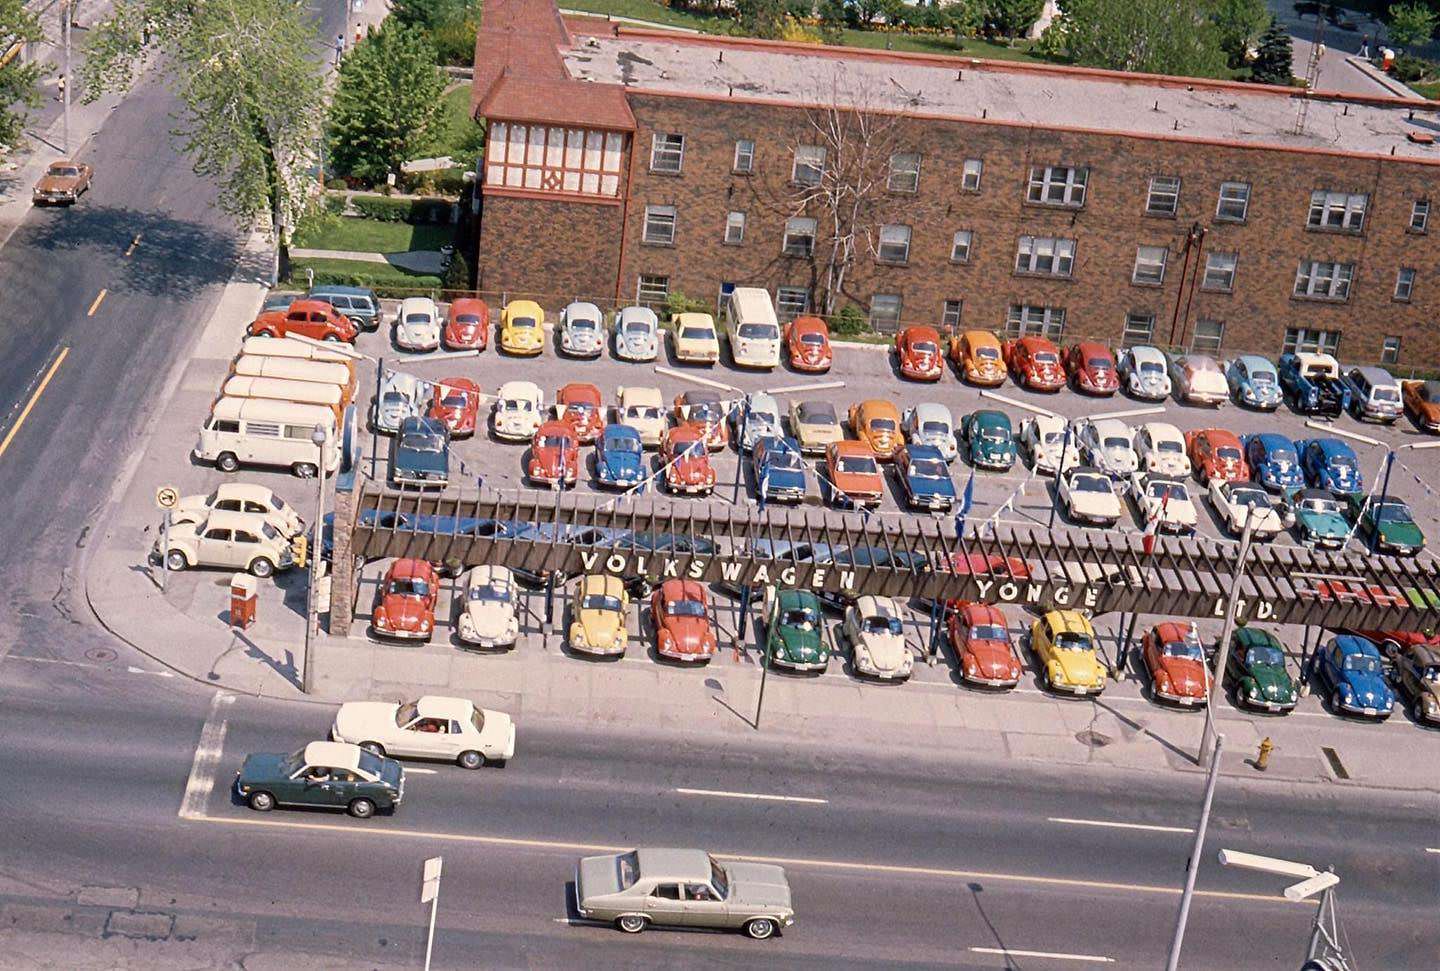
1319 518
327 775
1398 532
1256 669
794 634
989 439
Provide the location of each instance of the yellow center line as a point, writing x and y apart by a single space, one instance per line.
133 243
798 862
15 428
96 305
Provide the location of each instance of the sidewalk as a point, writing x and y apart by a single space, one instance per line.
416 261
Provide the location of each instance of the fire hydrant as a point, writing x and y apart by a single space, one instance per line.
1262 761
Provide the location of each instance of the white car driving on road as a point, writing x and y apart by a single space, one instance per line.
876 635
488 617
417 325
433 727
519 410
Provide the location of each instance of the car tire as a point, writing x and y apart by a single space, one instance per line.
760 928
1335 702
332 338
471 760
361 808
227 462
374 748
262 568
175 560
632 923
1390 648
304 470
261 801
1417 711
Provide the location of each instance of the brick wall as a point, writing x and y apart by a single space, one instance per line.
555 250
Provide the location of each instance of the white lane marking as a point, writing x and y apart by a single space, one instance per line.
1432 849
1148 827
128 669
1011 952
414 771
207 759
764 797
798 388
671 372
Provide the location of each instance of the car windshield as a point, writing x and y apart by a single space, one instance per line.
66 170
882 425
421 442
1228 453
371 764
1054 438
1176 491
1281 456
685 608
1321 506
580 323
600 601
704 411
1091 483
759 332
418 319
409 587
719 879
1261 377
817 414
1385 394
623 443
492 592
1263 656
1432 674
783 458
1256 498
1342 462
1117 441
637 328
644 412
988 353
934 429
1362 663
278 503
923 347
994 433
522 321
455 399
584 408
928 468
517 404
467 319
1186 649
1392 512
554 441
268 531
627 869
801 618
1098 364
1169 445
882 625
1046 357
1151 367
697 334
858 465
1070 641
691 449
814 340
393 399
406 713
987 632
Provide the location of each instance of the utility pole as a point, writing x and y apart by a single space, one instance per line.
1226 633
1192 865
65 76
312 610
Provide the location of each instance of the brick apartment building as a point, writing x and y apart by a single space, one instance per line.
624 165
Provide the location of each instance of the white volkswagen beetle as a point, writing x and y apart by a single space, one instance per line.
488 618
637 334
433 727
1234 500
1042 437
876 635
582 330
1161 448
1109 445
241 497
931 423
1145 373
519 410
643 409
417 325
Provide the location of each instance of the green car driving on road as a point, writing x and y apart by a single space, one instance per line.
794 635
327 775
1256 668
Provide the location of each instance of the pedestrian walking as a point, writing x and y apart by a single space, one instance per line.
1364 47
60 88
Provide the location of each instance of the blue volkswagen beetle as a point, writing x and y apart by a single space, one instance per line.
925 478
619 457
1330 464
779 469
1350 668
1274 462
1254 383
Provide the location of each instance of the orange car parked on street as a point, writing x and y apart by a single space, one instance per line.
981 640
680 613
1175 659
1035 362
468 327
876 422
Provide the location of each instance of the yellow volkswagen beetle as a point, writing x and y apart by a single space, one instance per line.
1064 643
599 624
522 328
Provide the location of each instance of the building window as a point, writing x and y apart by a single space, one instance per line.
1220 272
667 152
1324 281
1234 204
799 237
1139 328
970 174
1163 198
960 246
652 290
744 162
1301 340
809 165
1404 284
950 314
1390 350
1209 335
1150 265
1026 320
791 302
575 161
659 225
1419 215
735 228
1337 210
885 311
1045 256
904 172
1057 185
894 244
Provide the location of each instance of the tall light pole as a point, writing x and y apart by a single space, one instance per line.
318 435
65 77
1192 865
1326 952
1226 632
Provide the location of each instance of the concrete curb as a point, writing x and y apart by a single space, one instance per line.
1381 78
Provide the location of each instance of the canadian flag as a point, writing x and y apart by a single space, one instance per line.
1153 526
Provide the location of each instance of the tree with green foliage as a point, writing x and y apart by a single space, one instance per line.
457 275
1155 36
248 83
1011 18
1411 23
761 18
1275 62
387 106
17 78
432 14
1238 26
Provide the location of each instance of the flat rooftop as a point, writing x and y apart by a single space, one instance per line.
962 88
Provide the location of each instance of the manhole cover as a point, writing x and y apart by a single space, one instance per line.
1093 739
100 654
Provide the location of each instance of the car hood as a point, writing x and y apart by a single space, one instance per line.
1401 534
415 328
691 469
404 612
801 644
758 885
599 625
1079 667
688 634
422 461
58 183
1274 682
1325 523
583 338
1186 676
262 767
993 658
784 479
859 482
489 619
638 342
619 462
989 446
931 487
887 651
1096 503
1372 685
357 721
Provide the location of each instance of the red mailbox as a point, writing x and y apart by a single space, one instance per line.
244 592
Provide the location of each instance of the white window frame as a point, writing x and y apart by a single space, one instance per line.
1162 188
1312 340
665 147
1208 343
808 165
1135 332
971 173
1233 194
1420 216
1149 269
1220 272
1324 280
1390 350
904 168
655 218
961 245
1337 211
1027 320
886 319
1058 185
652 292
744 153
952 312
1404 284
1045 256
734 228
892 244
799 228
785 306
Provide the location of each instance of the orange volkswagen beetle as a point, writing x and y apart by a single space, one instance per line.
918 351
807 342
876 422
979 358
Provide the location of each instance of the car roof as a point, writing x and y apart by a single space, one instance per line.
1162 430
1307 358
1093 347
1356 644
1314 493
813 406
1254 362
417 303
794 597
688 432
524 308
697 396
756 398
917 332
1110 426
991 416
1255 637
675 865
440 706
924 452
231 519
1201 362
422 423
634 313
1174 630
1086 470
1274 440
981 338
637 395
582 309
976 612
556 426
487 573
680 589
810 324
617 430
242 490
457 384
1145 352
602 583
1333 446
333 755
1035 343
340 290
410 568
933 410
1069 620
582 390
469 303
873 606
850 446
690 319
519 389
1047 423
1376 375
1219 436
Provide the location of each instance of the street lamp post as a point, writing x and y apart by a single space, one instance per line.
65 82
318 436
1226 631
1326 952
1059 472
1192 865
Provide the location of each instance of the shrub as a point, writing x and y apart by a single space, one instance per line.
1407 67
386 283
850 320
457 277
335 204
455 43
678 303
404 210
337 184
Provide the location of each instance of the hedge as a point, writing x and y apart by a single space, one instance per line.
385 281
391 210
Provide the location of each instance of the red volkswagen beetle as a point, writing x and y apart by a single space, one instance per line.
554 455
686 460
681 616
1091 367
981 641
807 341
918 349
1035 362
1217 454
468 328
457 404
581 406
1175 658
407 600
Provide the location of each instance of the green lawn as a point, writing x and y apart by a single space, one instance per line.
367 235
461 137
1426 89
385 279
